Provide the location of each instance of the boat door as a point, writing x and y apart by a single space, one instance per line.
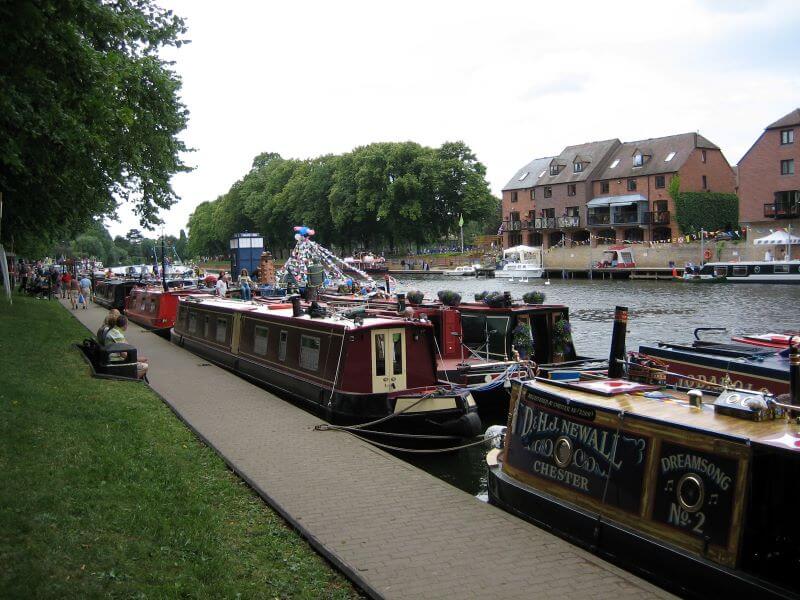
388 360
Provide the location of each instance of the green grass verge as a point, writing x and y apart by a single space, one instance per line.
106 493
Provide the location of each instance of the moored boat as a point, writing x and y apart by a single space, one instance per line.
521 262
153 308
778 271
694 496
351 367
112 293
462 271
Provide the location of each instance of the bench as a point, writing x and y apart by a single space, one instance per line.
102 366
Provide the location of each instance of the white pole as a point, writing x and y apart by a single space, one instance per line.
702 244
788 245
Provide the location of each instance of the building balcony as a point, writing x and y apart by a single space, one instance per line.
512 225
781 210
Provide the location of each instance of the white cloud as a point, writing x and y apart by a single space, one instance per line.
514 80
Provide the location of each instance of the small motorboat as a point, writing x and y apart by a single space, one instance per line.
462 271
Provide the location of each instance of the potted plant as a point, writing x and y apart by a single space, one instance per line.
522 338
495 300
481 296
534 297
415 297
562 339
449 297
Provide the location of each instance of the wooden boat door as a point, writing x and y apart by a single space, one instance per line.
388 360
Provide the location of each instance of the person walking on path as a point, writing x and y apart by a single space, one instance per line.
86 290
74 291
246 285
66 278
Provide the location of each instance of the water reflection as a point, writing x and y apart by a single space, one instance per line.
658 310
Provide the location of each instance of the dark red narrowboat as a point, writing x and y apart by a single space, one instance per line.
350 366
153 308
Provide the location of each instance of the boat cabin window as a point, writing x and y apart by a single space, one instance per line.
222 330
380 354
192 322
740 271
309 352
397 358
282 345
780 268
205 326
152 305
260 340
720 271
141 306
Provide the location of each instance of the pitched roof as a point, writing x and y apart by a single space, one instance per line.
592 153
658 149
531 173
793 118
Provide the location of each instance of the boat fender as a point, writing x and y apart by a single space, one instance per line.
495 435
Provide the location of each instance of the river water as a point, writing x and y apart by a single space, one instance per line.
657 311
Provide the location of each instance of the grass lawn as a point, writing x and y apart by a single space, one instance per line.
105 492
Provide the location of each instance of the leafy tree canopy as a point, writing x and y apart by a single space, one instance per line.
380 196
89 114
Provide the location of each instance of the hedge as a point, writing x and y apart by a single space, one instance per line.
710 211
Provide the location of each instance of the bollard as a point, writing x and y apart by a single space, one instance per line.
617 354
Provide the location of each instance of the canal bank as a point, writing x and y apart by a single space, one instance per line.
395 530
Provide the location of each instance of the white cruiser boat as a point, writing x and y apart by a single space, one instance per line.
462 271
521 262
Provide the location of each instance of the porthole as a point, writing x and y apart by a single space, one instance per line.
756 269
691 492
563 452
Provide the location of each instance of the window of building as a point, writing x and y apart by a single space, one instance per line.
282 345
703 155
787 136
533 194
523 176
604 187
513 216
638 160
631 185
577 167
572 211
571 189
660 206
670 156
661 181
260 340
548 192
222 330
548 213
614 164
787 167
513 196
705 183
309 352
553 169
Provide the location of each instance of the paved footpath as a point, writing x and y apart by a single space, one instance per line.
395 530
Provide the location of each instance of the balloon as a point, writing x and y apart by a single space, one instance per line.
298 236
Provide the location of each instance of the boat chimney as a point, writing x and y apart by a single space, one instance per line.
386 284
507 298
296 310
617 354
401 303
794 370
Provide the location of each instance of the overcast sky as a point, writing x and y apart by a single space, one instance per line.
513 80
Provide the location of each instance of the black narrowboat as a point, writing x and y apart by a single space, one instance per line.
697 497
778 271
112 293
351 367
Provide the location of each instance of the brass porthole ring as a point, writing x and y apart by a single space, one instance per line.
691 492
562 452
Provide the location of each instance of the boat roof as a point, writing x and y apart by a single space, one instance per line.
335 319
676 411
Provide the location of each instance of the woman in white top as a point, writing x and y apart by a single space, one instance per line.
221 289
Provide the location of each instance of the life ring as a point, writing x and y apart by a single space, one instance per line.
707 254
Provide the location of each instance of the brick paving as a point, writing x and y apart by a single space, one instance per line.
395 530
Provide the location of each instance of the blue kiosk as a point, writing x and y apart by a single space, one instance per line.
246 249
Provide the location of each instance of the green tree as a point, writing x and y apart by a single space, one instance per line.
203 240
89 114
89 246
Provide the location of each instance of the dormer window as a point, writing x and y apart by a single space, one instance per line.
523 176
638 160
577 167
614 164
670 156
553 169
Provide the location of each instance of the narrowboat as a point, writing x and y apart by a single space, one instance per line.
350 366
712 366
112 293
693 494
153 308
778 271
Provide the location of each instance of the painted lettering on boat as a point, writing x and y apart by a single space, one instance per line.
698 464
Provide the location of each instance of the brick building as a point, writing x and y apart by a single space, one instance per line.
769 181
610 191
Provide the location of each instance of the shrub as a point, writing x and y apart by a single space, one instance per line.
523 339
480 296
533 297
449 297
706 210
495 299
562 336
415 297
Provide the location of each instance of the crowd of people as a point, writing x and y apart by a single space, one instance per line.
48 282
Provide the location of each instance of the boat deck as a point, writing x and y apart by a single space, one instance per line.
395 530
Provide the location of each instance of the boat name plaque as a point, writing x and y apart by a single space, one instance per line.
558 441
695 492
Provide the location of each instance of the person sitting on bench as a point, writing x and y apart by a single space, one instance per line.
108 323
116 335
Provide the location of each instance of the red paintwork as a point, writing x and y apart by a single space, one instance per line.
160 308
740 380
769 340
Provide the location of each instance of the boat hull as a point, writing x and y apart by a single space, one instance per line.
519 274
